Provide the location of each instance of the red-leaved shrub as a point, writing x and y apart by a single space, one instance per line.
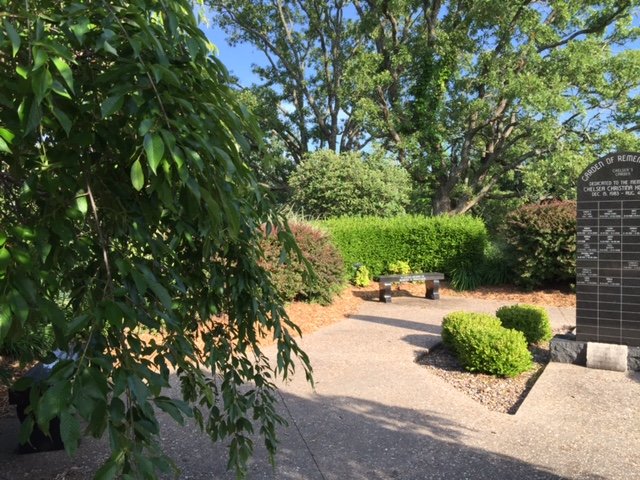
290 277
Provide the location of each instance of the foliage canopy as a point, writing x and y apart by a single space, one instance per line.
126 205
326 184
473 97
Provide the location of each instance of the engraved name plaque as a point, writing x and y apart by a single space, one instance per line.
608 251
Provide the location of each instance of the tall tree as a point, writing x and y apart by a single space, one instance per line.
307 46
465 92
128 206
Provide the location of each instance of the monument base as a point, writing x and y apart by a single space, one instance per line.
566 349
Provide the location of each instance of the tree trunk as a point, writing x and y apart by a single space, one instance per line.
441 203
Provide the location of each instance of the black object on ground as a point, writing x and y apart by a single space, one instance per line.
38 440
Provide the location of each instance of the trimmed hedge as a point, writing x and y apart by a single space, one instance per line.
483 345
453 245
542 238
532 321
291 279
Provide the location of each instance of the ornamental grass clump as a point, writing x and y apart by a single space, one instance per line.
483 345
531 320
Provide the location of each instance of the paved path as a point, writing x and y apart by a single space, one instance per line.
376 415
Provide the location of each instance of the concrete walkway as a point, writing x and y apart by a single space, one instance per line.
375 414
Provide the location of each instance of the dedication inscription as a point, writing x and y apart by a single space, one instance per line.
608 251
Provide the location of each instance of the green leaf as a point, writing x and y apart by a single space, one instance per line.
8 135
138 388
23 72
157 288
41 82
145 126
40 58
81 202
59 89
137 177
111 105
154 148
109 48
5 321
19 305
13 36
78 323
117 411
25 430
69 432
4 147
167 405
52 402
108 471
33 120
81 28
63 119
65 71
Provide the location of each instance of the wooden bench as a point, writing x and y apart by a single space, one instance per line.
431 281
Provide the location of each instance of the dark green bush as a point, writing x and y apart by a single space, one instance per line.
542 239
532 321
483 345
497 267
290 276
453 245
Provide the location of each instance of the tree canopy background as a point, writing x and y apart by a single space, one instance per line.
476 99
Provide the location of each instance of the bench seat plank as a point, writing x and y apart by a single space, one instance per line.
431 280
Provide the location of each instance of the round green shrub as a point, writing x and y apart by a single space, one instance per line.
532 321
483 345
456 325
362 277
327 184
399 268
290 277
499 351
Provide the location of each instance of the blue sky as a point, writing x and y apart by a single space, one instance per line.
237 59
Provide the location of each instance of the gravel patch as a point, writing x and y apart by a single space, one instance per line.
503 395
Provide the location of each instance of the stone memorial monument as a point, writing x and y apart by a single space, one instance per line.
608 251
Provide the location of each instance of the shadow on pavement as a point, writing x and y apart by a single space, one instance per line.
327 438
400 323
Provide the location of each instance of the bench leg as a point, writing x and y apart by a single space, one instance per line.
385 292
432 289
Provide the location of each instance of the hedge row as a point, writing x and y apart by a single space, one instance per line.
453 245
